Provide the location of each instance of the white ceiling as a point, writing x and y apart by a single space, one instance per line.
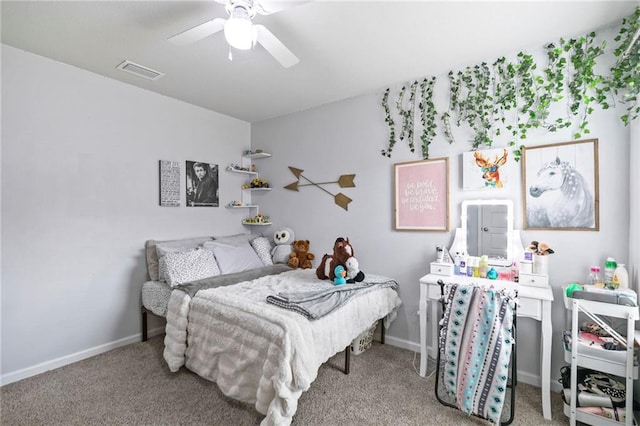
345 48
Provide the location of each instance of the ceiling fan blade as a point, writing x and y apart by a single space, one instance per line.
266 7
198 32
275 47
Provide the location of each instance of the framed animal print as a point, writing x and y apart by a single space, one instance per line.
560 186
487 169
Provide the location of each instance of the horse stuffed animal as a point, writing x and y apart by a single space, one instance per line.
342 250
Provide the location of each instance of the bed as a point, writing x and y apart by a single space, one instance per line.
259 333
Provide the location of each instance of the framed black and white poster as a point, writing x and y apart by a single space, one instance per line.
169 183
202 184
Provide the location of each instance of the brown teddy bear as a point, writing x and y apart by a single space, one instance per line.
301 257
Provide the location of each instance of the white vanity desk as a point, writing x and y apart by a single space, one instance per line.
487 228
535 302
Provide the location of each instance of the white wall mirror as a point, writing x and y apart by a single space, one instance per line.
486 227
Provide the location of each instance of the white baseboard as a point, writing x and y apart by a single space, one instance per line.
24 373
523 376
401 343
15 376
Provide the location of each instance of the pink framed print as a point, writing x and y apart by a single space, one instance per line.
422 195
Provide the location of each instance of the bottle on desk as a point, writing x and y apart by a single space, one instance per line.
483 266
515 272
463 265
456 263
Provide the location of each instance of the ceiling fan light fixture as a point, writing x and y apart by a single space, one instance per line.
238 29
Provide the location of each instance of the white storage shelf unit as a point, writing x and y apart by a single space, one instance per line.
247 160
613 363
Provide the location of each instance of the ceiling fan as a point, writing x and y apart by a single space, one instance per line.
240 32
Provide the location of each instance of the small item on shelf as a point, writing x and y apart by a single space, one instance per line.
484 266
504 274
492 274
456 263
476 267
515 273
571 288
258 219
259 183
470 261
235 203
609 269
594 277
621 277
463 265
236 168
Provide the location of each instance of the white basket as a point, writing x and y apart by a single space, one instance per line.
363 341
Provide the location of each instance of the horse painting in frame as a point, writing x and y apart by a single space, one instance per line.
560 186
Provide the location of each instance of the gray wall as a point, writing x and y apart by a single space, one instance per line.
346 137
79 198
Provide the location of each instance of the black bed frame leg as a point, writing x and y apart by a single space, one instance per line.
347 359
381 331
144 324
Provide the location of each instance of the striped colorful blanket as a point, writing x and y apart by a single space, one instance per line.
475 348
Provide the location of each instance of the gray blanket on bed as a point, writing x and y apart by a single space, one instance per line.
193 287
318 303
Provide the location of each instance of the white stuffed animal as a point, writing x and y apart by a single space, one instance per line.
354 274
283 238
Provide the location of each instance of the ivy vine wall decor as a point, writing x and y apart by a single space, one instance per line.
513 97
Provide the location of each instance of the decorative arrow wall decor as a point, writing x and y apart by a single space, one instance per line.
345 181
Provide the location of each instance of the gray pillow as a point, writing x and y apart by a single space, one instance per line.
234 258
262 246
237 239
174 246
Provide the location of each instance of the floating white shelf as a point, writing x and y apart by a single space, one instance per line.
247 206
257 155
246 172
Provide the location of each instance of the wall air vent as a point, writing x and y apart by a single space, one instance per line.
139 70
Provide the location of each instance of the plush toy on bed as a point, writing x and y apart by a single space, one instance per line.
354 274
301 257
342 250
283 238
340 273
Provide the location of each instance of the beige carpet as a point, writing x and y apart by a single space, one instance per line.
132 386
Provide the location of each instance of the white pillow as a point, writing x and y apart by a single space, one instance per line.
162 248
262 246
234 258
187 266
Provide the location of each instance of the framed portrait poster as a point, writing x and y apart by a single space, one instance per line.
422 195
202 184
560 186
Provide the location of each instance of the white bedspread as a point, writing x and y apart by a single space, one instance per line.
259 353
